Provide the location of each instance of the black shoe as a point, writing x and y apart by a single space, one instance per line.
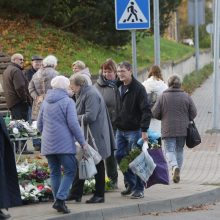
126 192
27 152
73 197
60 206
3 215
37 148
96 199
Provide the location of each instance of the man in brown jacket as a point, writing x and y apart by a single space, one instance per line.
15 87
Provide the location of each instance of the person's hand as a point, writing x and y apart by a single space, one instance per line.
85 150
144 136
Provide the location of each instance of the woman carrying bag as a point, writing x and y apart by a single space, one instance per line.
91 106
58 123
174 108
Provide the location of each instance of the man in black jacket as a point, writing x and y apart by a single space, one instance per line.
132 123
36 64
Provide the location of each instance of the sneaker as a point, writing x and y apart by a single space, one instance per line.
137 195
126 192
176 174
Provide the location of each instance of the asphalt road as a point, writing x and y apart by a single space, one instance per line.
205 212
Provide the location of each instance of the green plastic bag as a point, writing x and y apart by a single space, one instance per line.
7 119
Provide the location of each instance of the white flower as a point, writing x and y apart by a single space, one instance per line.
15 131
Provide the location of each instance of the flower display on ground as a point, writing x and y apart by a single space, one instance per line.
34 181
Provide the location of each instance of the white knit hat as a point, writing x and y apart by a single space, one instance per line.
60 82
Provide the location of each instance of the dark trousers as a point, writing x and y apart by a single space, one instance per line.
77 186
18 112
111 168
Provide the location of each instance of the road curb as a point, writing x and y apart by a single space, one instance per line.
169 205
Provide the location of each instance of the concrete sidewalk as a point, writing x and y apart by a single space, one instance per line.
200 178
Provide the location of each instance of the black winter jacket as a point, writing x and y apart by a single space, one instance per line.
135 112
9 188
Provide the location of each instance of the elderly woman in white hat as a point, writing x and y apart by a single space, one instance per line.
40 83
57 120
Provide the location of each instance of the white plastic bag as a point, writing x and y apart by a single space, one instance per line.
143 165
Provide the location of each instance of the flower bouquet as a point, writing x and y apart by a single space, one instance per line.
89 186
34 181
21 128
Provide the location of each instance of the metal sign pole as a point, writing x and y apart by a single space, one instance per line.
134 53
196 35
156 33
216 112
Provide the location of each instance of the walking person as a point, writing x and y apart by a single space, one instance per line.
175 108
132 123
15 86
9 188
91 106
58 123
154 86
107 86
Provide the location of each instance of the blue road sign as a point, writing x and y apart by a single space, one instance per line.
132 14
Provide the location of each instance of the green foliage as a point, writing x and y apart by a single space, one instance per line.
94 20
36 38
195 79
124 164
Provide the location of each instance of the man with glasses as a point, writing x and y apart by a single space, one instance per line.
15 86
132 123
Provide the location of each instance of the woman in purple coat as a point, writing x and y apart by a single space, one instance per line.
58 123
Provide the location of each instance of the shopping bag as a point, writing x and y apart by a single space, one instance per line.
193 138
161 173
94 154
7 119
142 167
87 168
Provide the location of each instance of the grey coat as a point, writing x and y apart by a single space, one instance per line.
111 96
91 105
174 108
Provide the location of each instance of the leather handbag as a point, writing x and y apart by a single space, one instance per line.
193 137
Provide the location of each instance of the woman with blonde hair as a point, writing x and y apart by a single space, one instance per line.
155 82
154 86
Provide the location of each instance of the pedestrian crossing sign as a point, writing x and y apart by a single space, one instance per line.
132 14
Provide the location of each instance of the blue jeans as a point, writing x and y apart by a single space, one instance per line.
61 185
125 141
174 150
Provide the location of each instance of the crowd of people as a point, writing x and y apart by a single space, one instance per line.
117 109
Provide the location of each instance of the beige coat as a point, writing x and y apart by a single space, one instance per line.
38 87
